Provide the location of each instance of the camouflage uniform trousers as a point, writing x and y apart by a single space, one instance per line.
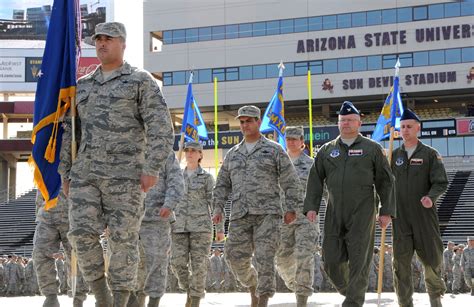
155 245
47 241
457 280
190 260
295 257
245 235
117 203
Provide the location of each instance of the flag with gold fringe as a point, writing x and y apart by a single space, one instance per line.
55 88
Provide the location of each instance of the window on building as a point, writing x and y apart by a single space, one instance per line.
406 59
289 70
469 145
441 145
359 63
344 21
273 27
389 61
359 19
192 35
179 78
231 31
301 68
316 67
179 36
167 78
258 29
456 146
259 71
452 10
205 34
374 62
167 37
218 32
205 76
436 57
329 22
301 25
232 73
272 70
329 66
374 18
404 14
315 23
467 8
420 58
286 26
218 73
420 13
245 73
344 65
389 16
245 30
452 56
468 54
436 11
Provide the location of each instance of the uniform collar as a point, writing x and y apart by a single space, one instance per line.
125 69
417 148
243 149
358 139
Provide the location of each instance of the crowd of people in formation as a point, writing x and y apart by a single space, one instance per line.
160 221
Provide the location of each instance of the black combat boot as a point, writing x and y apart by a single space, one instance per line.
51 301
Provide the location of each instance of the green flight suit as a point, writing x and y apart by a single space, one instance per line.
350 174
416 227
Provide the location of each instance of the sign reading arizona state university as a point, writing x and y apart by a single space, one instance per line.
387 38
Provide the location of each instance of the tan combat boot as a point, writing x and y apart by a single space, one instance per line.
195 301
51 301
76 302
263 300
121 298
154 302
301 301
103 297
188 300
253 297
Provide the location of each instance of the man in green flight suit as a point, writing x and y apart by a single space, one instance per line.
351 166
420 180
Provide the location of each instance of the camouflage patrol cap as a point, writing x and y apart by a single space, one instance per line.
112 29
250 111
294 132
193 145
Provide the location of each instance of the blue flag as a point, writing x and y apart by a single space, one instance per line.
273 118
55 89
391 112
193 127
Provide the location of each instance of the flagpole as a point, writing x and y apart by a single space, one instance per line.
310 110
281 67
73 157
216 153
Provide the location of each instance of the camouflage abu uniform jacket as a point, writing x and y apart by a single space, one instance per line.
124 127
255 180
167 192
193 212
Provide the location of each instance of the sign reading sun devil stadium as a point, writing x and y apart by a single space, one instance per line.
387 38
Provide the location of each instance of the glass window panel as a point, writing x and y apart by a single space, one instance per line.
389 61
315 24
195 76
272 70
232 74
186 77
436 57
167 37
406 59
219 74
273 27
179 77
329 22
374 62
469 145
316 67
167 78
456 146
420 58
231 31
468 54
245 73
179 36
301 69
359 19
436 11
192 35
440 145
344 65
344 21
374 18
453 56
329 66
389 16
205 75
452 10
467 8
420 13
301 25
258 29
404 14
359 63
289 70
205 34
245 30
286 26
259 71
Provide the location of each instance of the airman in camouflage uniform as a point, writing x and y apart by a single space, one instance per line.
387 270
467 263
457 269
62 272
352 167
255 171
448 266
318 276
192 231
51 230
216 271
2 276
155 231
31 281
125 136
420 181
373 272
295 257
13 277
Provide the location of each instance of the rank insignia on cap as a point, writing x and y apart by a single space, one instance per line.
399 161
415 161
334 153
356 152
